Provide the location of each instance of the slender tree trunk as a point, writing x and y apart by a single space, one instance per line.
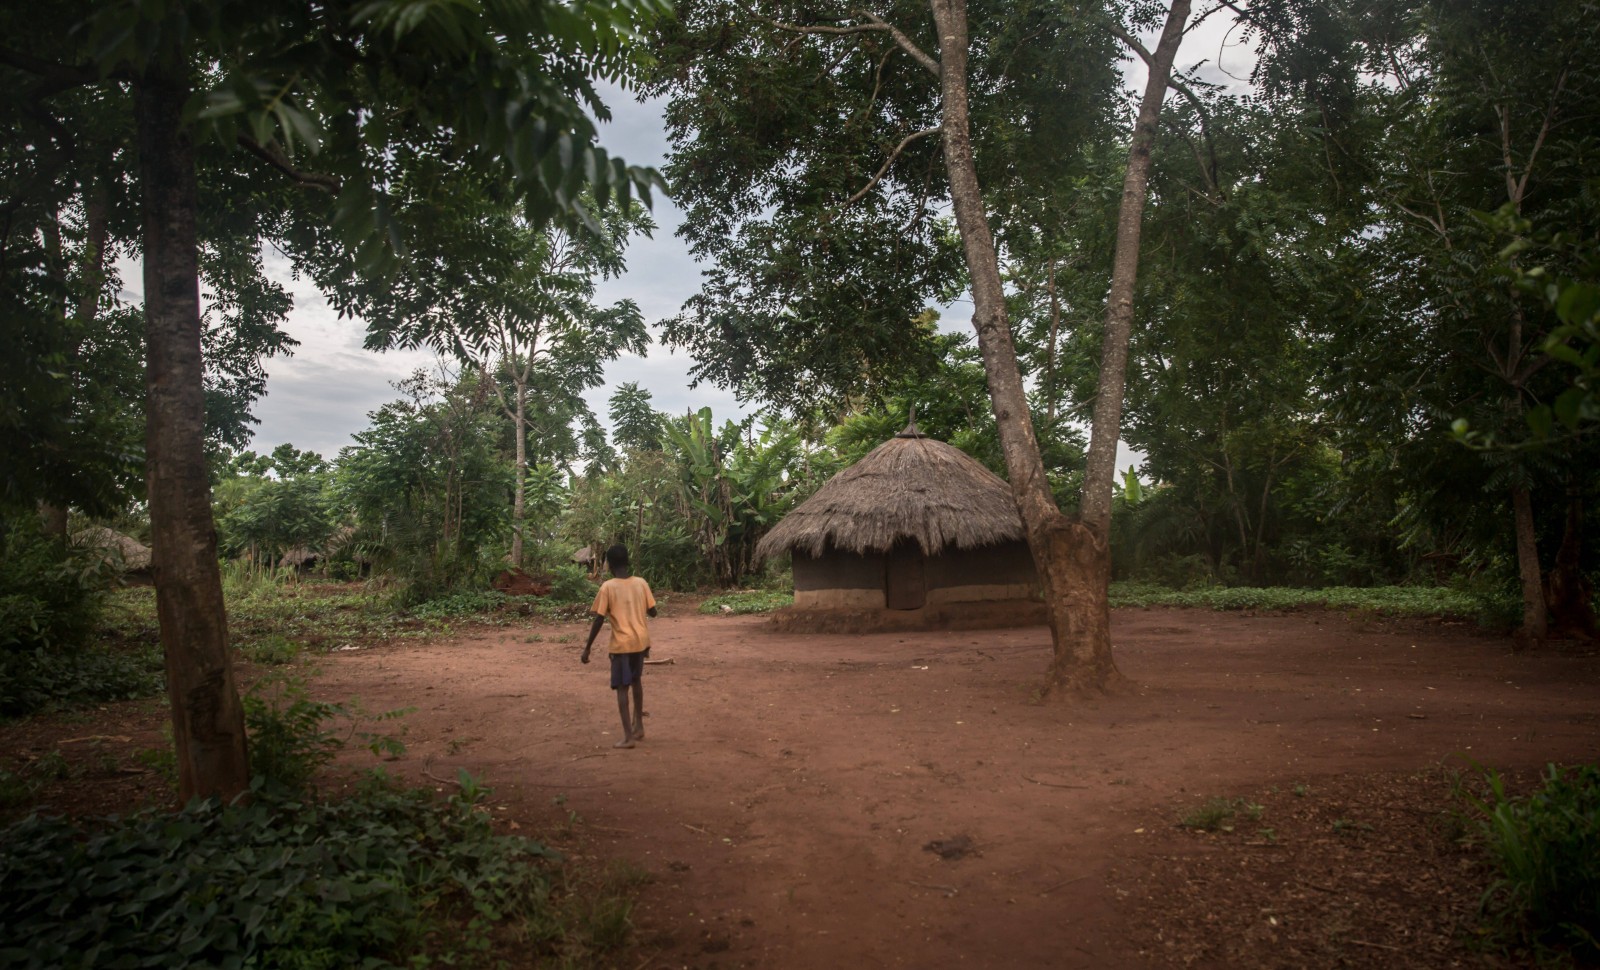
1101 469
519 506
1063 548
207 718
1570 596
1533 615
1052 395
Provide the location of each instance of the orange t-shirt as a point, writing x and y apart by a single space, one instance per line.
623 603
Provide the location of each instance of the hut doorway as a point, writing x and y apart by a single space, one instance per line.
905 585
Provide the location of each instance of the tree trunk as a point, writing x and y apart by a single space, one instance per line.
1569 594
1533 615
207 718
1106 429
1064 549
519 501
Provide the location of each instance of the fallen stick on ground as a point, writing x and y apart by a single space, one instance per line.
666 661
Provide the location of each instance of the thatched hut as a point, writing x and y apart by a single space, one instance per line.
916 525
126 554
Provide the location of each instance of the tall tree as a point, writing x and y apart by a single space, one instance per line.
902 78
539 330
498 94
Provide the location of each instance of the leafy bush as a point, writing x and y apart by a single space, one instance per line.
459 604
43 680
292 735
386 877
748 601
569 584
50 593
1545 851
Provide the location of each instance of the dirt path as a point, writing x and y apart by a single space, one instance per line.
791 786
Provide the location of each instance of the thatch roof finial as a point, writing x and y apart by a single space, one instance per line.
911 427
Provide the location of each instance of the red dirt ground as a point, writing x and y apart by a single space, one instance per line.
900 799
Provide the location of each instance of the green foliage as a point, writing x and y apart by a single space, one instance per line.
293 736
1544 849
428 488
387 877
456 605
274 650
570 584
1395 600
50 594
747 601
31 682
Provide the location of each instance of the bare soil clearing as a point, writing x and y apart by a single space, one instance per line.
899 799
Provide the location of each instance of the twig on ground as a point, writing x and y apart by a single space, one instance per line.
666 661
1068 882
947 890
694 828
1380 946
119 738
1051 784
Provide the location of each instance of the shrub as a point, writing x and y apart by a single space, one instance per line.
51 594
451 605
385 877
292 735
43 680
570 584
1545 852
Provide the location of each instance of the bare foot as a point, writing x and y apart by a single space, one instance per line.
624 743
639 734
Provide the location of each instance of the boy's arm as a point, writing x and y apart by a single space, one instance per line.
594 631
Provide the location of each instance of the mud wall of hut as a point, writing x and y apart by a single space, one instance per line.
839 580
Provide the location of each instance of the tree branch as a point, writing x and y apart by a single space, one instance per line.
889 161
330 184
875 24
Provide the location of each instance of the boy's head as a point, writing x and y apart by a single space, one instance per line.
617 558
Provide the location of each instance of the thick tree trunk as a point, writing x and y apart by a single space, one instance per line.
1106 429
1063 548
1533 615
207 719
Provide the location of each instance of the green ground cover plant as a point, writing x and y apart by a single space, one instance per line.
387 877
1392 600
1544 850
748 601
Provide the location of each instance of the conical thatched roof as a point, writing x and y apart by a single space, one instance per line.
911 487
133 554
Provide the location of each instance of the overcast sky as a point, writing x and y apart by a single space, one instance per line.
319 397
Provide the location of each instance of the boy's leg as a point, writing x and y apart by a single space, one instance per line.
627 727
638 709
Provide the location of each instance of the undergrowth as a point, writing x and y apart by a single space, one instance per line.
1544 850
384 878
1393 600
748 601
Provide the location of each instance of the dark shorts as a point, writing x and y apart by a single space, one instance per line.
626 669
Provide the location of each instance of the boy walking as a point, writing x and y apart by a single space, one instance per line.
625 600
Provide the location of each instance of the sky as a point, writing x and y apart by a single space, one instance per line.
320 396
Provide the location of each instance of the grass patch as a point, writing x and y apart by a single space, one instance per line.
1221 814
1390 600
748 601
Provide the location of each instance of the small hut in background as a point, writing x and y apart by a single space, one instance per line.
916 527
127 555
